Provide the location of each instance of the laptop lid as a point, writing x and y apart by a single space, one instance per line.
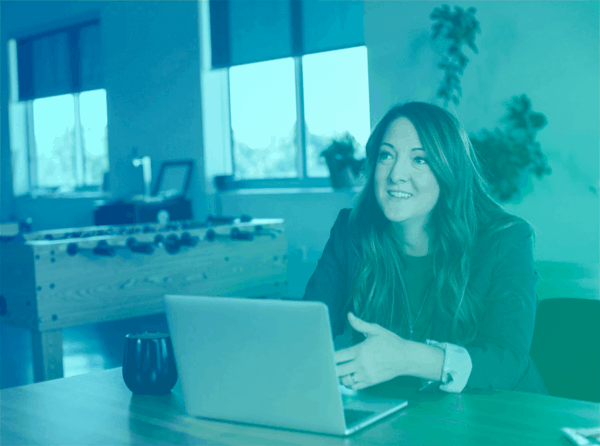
267 362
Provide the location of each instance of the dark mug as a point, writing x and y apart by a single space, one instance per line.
149 364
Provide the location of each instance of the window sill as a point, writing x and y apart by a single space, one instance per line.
67 195
289 191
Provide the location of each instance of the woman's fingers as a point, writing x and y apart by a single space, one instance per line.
347 381
355 383
346 368
364 327
345 355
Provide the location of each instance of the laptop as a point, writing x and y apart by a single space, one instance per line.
265 362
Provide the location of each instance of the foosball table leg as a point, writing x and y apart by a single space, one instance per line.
47 355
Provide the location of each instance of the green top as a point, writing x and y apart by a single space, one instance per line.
419 280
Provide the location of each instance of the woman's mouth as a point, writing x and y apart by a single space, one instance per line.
399 194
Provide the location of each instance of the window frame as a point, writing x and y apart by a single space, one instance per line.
302 180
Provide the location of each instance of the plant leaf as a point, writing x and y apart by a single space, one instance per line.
538 120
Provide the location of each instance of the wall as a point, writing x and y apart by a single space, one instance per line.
547 50
152 77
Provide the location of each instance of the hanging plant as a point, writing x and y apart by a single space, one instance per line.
509 155
459 28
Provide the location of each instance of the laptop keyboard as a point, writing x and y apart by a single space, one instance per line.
353 416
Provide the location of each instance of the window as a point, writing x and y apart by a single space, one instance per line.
57 111
336 101
69 147
263 119
285 112
64 139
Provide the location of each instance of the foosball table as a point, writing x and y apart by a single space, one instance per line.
56 279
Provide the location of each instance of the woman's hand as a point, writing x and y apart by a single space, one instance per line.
380 357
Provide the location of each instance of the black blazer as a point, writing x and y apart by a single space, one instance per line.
505 276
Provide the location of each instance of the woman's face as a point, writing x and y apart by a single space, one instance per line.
405 186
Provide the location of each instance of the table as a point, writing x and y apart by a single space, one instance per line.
97 408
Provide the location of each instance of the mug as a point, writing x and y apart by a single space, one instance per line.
149 364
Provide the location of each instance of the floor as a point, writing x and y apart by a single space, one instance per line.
86 348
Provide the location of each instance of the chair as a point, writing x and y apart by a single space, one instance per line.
566 347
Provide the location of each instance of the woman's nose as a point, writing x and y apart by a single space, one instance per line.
400 172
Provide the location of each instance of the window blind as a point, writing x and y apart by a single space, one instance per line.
247 31
331 25
67 60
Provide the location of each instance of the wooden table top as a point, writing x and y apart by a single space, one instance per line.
98 409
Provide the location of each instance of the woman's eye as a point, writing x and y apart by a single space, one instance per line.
384 156
420 160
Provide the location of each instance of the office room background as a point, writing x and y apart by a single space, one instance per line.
156 91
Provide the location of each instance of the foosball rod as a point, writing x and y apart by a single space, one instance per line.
171 244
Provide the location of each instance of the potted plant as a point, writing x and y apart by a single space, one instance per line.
509 155
344 169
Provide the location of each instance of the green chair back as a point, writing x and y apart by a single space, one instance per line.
566 347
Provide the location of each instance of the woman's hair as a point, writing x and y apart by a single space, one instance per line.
464 215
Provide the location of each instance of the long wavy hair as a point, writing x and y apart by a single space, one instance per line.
464 215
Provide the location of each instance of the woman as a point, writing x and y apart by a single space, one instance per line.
436 280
